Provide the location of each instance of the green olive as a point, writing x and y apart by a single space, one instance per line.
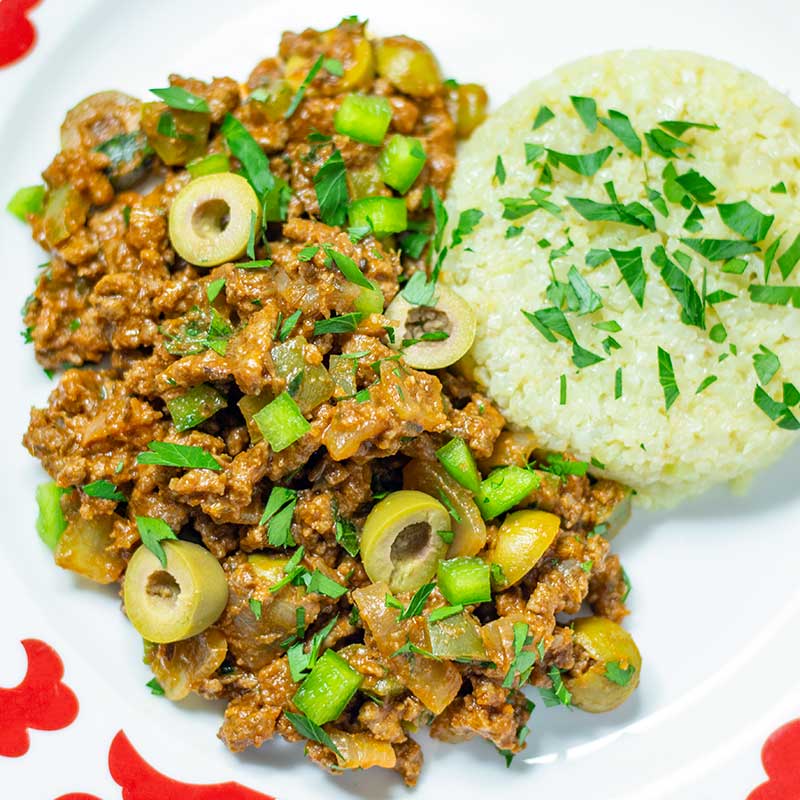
408 65
470 101
521 541
210 219
176 602
400 542
457 637
98 118
614 653
64 213
469 535
177 136
451 314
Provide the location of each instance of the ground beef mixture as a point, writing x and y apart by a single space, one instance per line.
135 327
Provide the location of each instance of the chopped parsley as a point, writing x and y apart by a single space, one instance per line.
152 532
720 249
185 456
631 267
587 111
467 220
775 295
178 97
415 605
619 124
533 152
543 116
444 612
344 323
630 214
105 490
513 230
349 269
618 674
319 583
681 286
663 144
256 607
155 687
558 465
330 184
255 163
300 93
766 364
288 325
666 377
706 382
410 649
419 291
347 535
618 383
333 66
779 412
278 515
499 170
214 288
524 660
302 724
788 261
562 390
558 694
678 127
308 252
693 220
745 220
778 188
596 258
698 186
586 164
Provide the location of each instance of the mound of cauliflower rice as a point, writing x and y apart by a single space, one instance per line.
654 330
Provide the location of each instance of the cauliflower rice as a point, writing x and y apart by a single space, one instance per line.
717 435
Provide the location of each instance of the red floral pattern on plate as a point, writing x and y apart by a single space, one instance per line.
17 34
140 781
781 759
78 796
41 702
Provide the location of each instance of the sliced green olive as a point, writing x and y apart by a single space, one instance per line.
64 213
177 136
409 65
172 603
469 530
521 541
615 672
469 107
457 637
400 542
451 315
211 217
98 118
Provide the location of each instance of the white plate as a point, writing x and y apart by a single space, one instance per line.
715 601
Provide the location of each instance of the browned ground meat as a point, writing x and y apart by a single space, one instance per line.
117 303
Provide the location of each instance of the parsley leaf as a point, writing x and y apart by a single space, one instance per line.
618 383
305 727
333 66
522 665
678 128
500 170
558 465
666 377
178 97
409 649
788 261
775 295
330 184
517 207
300 93
720 249
254 161
214 288
419 291
543 116
698 186
186 456
631 214
766 364
467 220
587 299
631 267
558 694
596 258
617 674
152 532
533 152
155 687
256 607
706 382
347 535
583 164
680 284
778 412
349 269
619 124
444 612
779 188
278 515
289 324
344 323
746 220
319 583
587 111
663 144
417 602
105 490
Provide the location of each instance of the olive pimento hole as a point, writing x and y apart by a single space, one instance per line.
163 586
210 218
425 319
410 542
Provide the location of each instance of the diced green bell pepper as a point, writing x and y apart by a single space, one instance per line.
364 118
281 422
401 162
27 200
384 215
209 165
195 406
457 459
51 522
503 489
465 580
325 693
